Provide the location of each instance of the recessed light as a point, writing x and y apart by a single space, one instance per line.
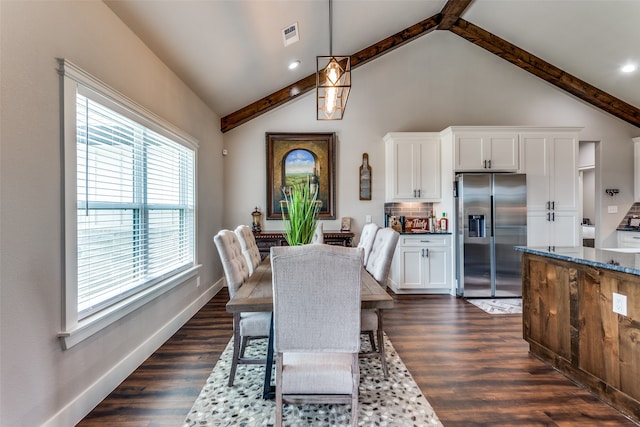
294 64
629 68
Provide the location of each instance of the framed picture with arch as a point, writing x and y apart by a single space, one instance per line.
301 157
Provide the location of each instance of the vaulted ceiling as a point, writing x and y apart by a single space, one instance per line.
231 52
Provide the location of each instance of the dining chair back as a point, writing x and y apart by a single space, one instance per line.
381 255
367 237
378 265
316 302
249 247
246 326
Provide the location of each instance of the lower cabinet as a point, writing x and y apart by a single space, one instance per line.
422 264
628 239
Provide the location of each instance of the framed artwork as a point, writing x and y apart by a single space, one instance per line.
365 178
301 157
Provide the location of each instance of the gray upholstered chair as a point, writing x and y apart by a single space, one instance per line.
249 247
378 265
318 235
316 302
366 239
246 326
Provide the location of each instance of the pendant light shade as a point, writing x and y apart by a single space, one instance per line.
333 81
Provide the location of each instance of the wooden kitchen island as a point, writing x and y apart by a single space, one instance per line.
569 322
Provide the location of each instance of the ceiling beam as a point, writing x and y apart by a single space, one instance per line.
547 71
308 83
451 12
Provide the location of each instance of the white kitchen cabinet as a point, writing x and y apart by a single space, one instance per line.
413 171
553 198
422 263
628 239
489 151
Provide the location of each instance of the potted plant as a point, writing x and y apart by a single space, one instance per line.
301 215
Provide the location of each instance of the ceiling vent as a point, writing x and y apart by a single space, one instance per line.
290 34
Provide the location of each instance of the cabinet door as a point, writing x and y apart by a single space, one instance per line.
412 265
502 152
405 156
469 152
538 229
563 181
636 168
437 267
565 229
536 166
428 170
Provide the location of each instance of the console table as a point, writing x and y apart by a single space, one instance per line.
265 240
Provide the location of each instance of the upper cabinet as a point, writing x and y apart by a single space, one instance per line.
486 151
553 197
413 166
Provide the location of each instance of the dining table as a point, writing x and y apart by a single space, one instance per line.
256 295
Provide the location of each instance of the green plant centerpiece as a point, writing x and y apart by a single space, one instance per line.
301 215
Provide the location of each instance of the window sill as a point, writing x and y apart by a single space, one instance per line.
95 323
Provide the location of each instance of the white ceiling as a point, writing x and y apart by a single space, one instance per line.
231 52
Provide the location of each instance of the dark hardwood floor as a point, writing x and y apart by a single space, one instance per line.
474 369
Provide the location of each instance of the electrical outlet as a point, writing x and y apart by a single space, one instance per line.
367 219
620 304
612 209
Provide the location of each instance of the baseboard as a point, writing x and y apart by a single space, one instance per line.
79 407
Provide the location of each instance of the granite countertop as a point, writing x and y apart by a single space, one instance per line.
625 260
628 229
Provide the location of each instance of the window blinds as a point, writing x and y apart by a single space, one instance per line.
135 206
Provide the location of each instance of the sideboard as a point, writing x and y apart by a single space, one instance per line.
265 240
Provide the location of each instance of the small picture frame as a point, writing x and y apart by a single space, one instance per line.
345 223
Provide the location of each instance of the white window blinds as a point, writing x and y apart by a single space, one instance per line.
135 205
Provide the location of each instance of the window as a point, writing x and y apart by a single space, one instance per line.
129 205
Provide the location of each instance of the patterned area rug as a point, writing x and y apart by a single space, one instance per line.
395 401
498 305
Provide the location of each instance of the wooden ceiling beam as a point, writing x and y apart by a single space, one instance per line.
451 12
308 83
547 71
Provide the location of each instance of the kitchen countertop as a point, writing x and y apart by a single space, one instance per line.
411 233
625 260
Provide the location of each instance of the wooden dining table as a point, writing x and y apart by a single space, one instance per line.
256 295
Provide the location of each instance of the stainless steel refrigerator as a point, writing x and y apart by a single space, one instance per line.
491 218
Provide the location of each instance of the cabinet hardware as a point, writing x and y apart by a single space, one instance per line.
489 164
485 164
429 241
548 216
548 205
553 216
553 205
427 252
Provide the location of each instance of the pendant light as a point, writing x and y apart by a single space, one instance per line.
333 80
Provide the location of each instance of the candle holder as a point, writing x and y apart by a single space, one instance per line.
257 219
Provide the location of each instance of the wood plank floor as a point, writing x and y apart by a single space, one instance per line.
474 369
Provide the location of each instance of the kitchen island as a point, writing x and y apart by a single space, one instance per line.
570 323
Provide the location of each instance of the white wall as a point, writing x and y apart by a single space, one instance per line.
431 83
39 382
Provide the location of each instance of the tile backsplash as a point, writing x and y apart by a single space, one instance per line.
634 211
413 209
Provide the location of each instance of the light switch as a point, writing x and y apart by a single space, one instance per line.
612 209
367 219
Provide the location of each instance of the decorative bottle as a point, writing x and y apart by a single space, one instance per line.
444 222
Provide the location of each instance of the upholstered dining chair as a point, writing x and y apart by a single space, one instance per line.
246 326
316 302
249 247
318 235
378 265
366 239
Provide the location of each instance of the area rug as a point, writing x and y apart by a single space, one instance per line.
498 305
395 401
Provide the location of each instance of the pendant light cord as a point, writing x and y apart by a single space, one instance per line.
330 27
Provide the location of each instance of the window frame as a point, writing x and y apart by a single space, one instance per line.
74 80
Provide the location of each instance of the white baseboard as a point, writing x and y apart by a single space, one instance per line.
79 407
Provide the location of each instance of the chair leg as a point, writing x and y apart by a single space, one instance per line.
243 346
278 422
355 392
383 359
236 348
372 341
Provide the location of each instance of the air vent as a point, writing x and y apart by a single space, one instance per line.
290 34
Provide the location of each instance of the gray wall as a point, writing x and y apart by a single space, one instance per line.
39 381
437 81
